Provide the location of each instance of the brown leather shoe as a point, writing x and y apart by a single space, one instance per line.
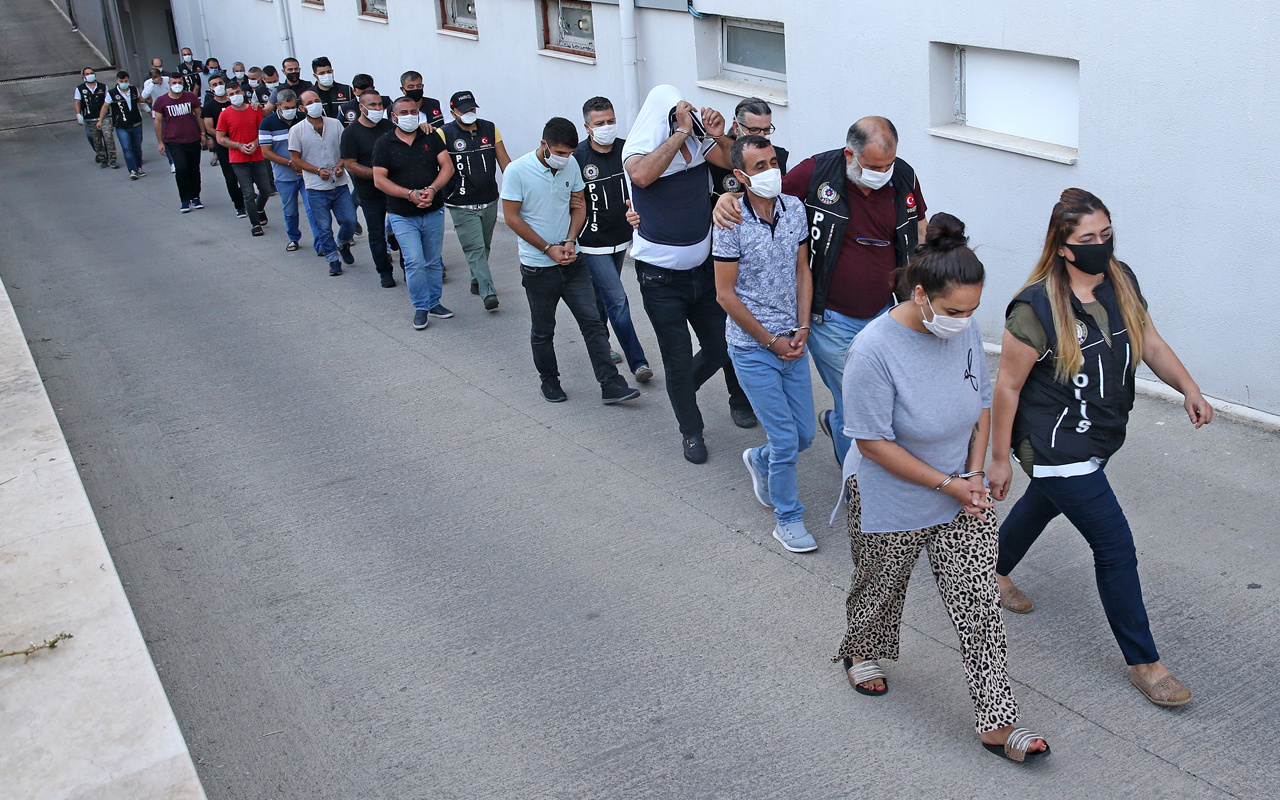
1168 691
1014 600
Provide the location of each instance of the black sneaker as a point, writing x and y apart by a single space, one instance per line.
140 173
475 288
256 230
115 165
744 417
195 203
617 391
491 303
334 268
359 229
440 312
421 319
695 449
102 165
388 281
133 174
552 392
345 252
240 213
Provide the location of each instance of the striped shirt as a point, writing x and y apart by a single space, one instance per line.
273 132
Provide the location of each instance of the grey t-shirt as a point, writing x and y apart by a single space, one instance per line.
926 394
766 256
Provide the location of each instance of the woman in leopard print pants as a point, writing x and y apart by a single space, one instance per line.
918 404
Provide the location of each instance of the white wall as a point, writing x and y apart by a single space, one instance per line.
1177 124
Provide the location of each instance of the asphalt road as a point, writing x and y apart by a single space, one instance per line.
372 562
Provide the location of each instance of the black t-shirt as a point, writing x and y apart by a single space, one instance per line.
297 88
357 144
212 109
413 166
348 111
606 195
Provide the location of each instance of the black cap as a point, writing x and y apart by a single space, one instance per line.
463 101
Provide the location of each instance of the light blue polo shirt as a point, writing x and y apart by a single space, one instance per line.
544 201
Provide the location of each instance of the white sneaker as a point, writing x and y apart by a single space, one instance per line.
795 537
173 168
759 483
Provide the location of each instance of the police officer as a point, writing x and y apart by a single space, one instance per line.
866 214
349 111
90 98
124 107
428 107
472 196
332 94
752 117
191 71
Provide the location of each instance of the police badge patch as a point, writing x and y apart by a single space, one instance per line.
591 172
1082 332
459 145
731 183
827 195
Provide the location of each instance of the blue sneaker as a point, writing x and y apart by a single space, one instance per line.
795 537
195 203
440 312
759 480
421 319
824 422
186 207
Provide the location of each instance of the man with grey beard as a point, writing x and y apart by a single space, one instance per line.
866 214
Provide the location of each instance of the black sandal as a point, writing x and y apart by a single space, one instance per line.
1015 747
865 672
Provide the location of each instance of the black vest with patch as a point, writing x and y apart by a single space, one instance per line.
1071 423
828 211
722 180
125 115
91 100
475 163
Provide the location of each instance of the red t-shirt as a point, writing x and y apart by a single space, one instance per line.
863 279
241 125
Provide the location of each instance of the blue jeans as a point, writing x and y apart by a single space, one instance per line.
420 240
611 298
1089 504
337 201
289 192
131 146
781 392
828 343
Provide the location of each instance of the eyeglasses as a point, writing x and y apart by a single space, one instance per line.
757 131
873 242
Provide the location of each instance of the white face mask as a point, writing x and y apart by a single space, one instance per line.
176 88
239 74
325 80
186 57
375 115
253 83
468 118
124 87
90 78
945 327
288 113
272 85
861 176
767 184
554 161
407 122
237 99
219 91
315 110
604 135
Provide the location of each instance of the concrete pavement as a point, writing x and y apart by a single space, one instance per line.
372 562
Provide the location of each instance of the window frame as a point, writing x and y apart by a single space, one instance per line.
547 43
313 3
447 24
365 11
731 70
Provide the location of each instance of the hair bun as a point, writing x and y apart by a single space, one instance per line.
944 233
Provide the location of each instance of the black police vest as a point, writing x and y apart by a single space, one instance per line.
475 163
91 100
125 115
722 180
1071 423
191 75
333 99
828 211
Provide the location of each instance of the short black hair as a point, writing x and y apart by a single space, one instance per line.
154 71
361 82
372 91
320 61
212 58
291 58
175 76
560 132
270 69
737 153
121 75
403 99
411 75
595 104
213 78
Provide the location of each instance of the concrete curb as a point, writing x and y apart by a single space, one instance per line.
89 718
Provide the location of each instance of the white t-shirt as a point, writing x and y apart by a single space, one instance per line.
150 91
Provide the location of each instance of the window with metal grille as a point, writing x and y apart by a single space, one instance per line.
458 15
567 26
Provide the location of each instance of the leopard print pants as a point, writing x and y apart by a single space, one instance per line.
962 553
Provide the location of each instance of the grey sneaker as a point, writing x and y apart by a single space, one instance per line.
759 481
795 537
643 373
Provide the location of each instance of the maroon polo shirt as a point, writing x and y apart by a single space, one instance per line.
862 283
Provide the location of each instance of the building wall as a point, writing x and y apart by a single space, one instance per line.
1177 122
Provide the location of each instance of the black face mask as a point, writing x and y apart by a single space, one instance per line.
414 94
292 76
1091 259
